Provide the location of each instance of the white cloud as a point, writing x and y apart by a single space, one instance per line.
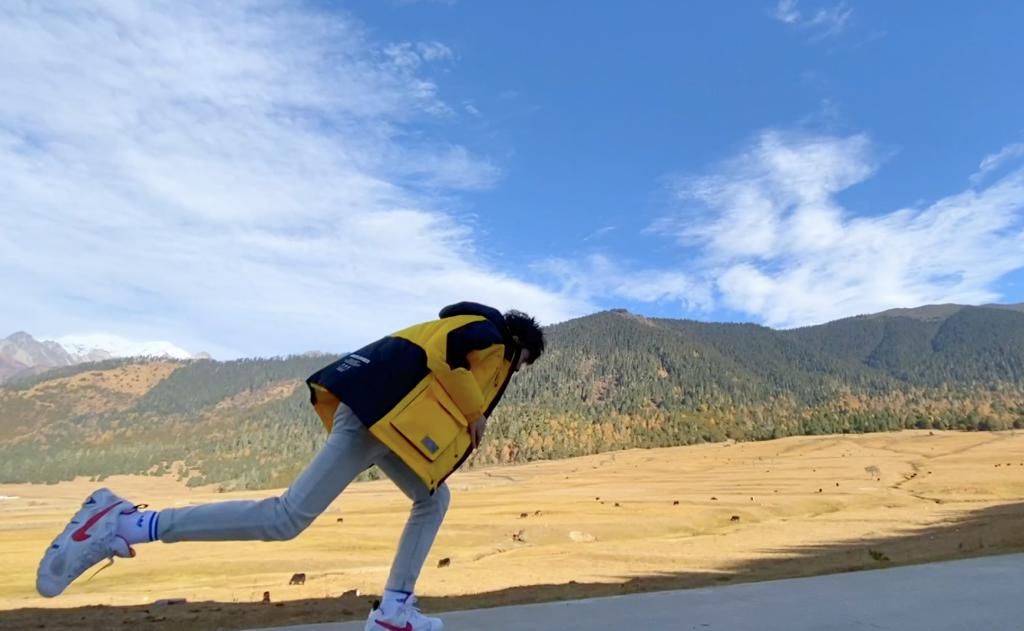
409 56
240 178
600 232
411 2
997 160
599 277
829 21
775 197
457 169
825 22
782 248
787 11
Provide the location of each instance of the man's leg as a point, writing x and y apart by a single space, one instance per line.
421 529
350 449
107 525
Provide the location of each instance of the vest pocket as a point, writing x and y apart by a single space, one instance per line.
431 421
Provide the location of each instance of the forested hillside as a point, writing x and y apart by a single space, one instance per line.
611 380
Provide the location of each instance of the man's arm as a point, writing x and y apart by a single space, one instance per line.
453 371
477 429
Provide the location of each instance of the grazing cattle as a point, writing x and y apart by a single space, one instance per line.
341 519
523 515
735 518
519 536
298 579
445 562
675 503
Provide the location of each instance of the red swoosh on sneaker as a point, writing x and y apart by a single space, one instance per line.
83 533
391 627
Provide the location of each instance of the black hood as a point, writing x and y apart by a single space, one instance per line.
474 308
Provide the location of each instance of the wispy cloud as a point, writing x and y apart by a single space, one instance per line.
410 2
821 23
782 248
237 177
992 163
786 11
600 232
409 56
599 278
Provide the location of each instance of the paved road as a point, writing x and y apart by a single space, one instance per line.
985 594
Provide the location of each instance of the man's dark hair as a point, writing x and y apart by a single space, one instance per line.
529 333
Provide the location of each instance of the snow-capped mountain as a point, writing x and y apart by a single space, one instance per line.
21 354
98 347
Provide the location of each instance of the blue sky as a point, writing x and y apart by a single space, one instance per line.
320 174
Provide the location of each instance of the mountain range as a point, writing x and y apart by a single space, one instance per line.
22 355
611 380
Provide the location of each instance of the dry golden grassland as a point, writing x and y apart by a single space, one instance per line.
605 524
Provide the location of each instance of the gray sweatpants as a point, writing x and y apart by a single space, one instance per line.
350 449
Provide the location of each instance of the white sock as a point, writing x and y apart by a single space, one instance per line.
392 599
139 526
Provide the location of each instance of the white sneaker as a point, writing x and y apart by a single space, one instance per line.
90 537
406 617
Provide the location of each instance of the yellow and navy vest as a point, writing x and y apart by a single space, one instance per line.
418 389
